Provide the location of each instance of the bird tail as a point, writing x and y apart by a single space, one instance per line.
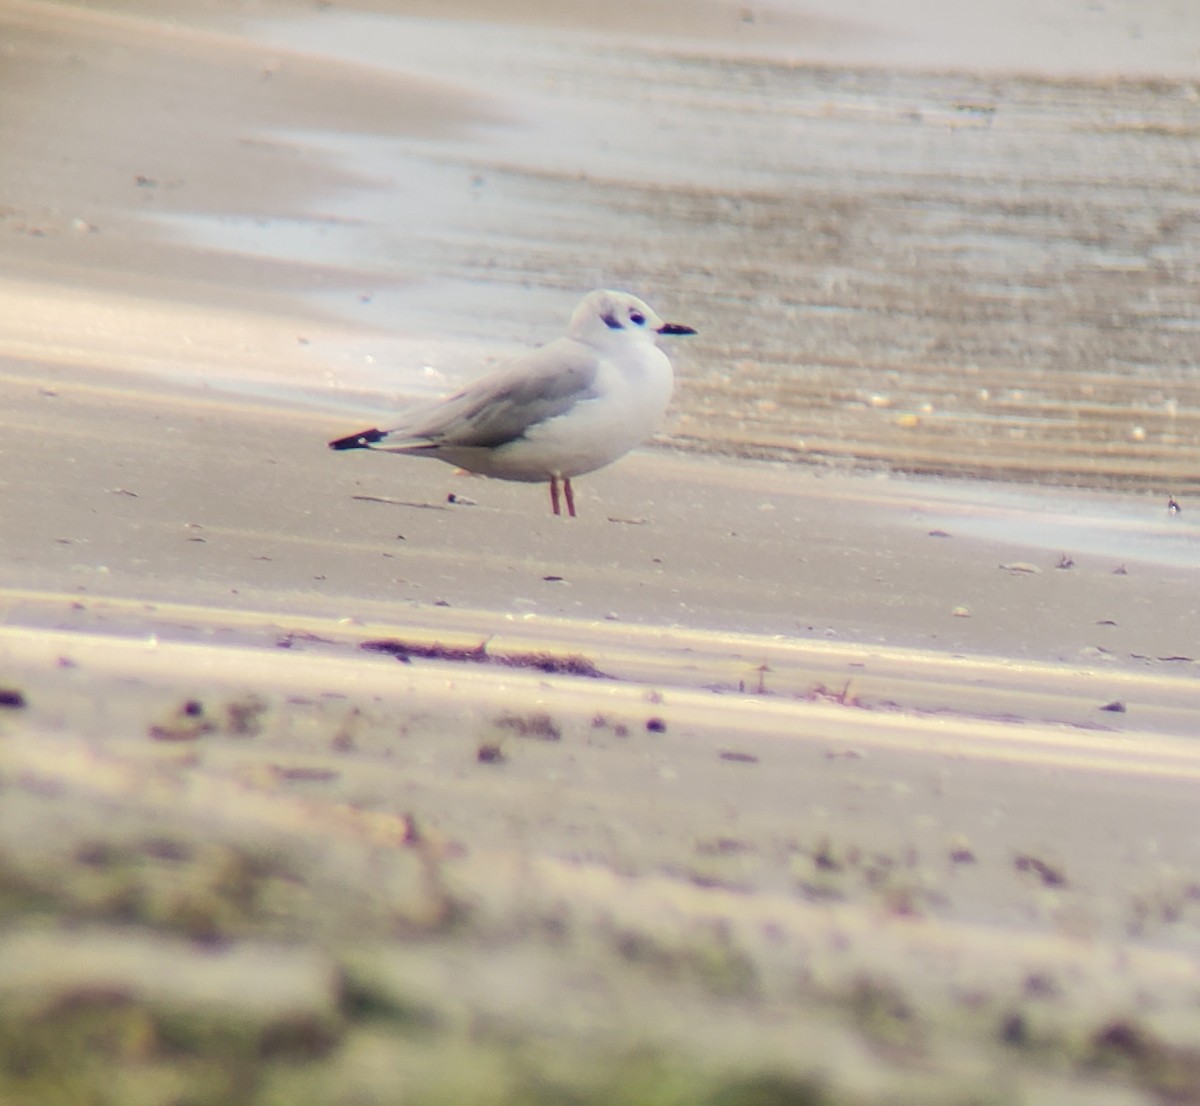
364 439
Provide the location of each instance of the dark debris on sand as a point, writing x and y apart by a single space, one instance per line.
570 664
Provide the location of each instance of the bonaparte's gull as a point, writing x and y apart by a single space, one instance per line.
559 411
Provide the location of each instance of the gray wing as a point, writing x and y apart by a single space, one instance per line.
500 408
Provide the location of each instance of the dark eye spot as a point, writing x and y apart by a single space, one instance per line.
637 318
611 321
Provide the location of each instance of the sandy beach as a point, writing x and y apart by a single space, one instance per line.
843 750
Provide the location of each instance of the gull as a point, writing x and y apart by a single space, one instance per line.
567 408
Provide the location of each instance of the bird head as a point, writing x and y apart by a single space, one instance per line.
604 316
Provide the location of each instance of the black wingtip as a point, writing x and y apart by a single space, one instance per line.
675 328
361 440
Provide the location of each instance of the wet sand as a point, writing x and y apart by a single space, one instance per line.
781 774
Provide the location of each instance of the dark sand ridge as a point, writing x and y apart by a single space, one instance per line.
845 817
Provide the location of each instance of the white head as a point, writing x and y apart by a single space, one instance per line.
604 316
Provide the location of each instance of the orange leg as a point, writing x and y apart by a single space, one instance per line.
570 496
554 495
